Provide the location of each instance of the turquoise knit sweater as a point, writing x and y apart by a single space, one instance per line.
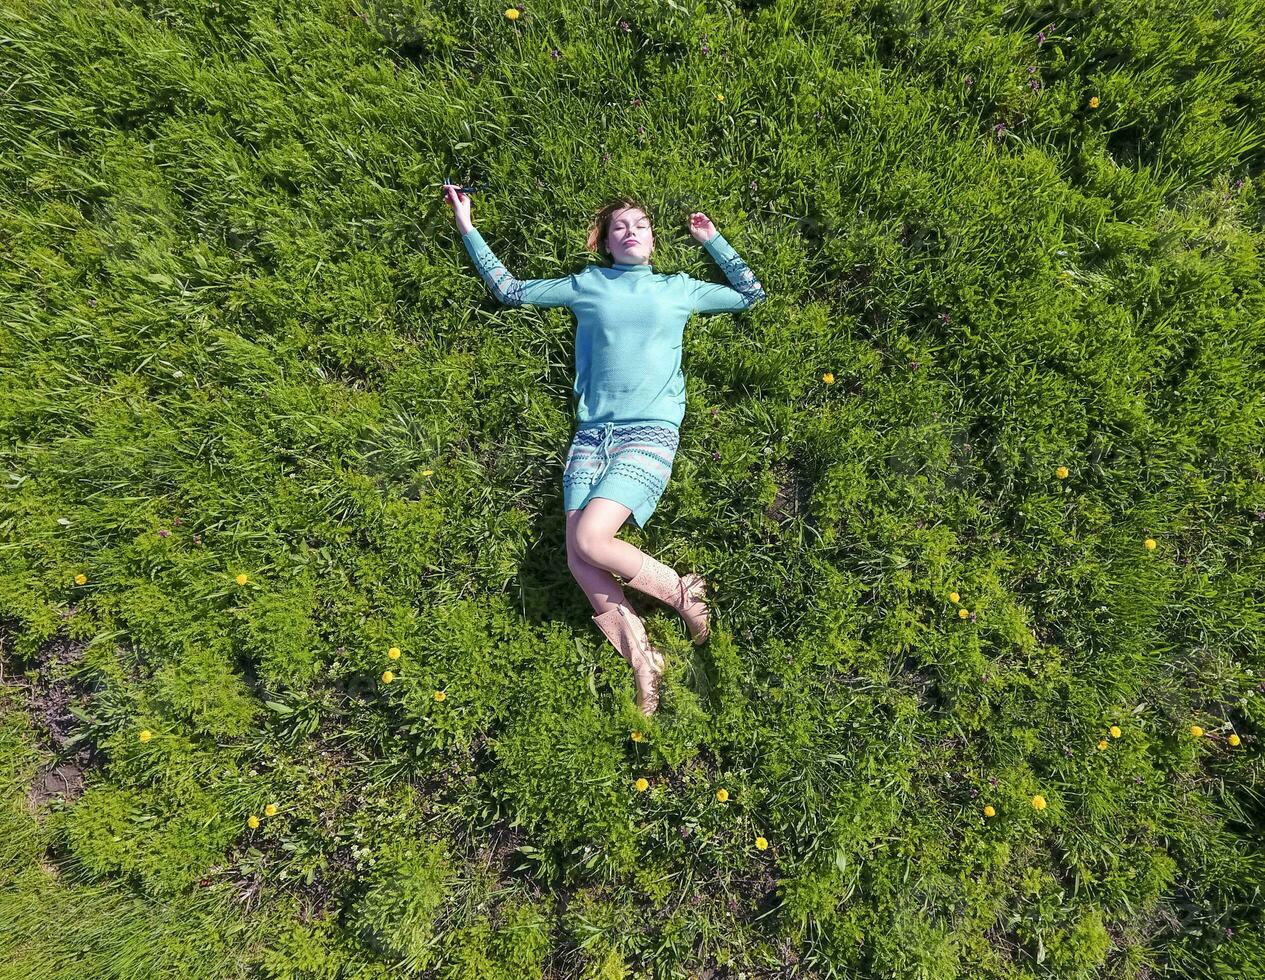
629 324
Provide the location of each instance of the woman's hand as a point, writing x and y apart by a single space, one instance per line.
460 203
701 227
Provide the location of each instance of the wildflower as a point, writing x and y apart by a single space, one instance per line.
427 472
241 578
176 521
722 794
1035 85
1093 102
440 695
706 48
145 735
1115 731
973 617
197 539
252 821
945 318
989 811
954 597
969 81
828 378
555 54
999 129
80 578
1196 731
625 26
394 653
1150 544
636 101
1032 69
719 97
635 736
1038 802
512 13
270 810
641 130
163 532
1102 744
1061 472
641 784
387 677
963 613
1233 739
761 843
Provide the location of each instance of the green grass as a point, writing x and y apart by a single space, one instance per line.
238 328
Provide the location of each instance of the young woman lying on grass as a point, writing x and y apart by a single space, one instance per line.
630 396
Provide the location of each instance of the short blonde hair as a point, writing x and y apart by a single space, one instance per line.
601 224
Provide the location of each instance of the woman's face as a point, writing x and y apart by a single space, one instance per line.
629 237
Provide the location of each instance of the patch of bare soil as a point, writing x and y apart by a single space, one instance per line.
50 697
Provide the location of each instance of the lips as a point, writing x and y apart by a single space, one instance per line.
631 241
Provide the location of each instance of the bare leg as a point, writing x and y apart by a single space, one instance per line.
595 540
599 585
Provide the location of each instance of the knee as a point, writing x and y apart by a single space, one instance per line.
590 545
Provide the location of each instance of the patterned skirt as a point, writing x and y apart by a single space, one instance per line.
629 462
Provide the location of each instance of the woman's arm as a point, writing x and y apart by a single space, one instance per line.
511 291
712 297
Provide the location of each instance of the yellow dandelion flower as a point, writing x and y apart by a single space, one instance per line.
761 843
719 97
394 653
270 810
511 13
440 695
1150 544
989 811
954 597
1115 731
427 472
241 578
1038 802
635 736
387 677
1233 739
1093 102
252 821
828 378
963 613
1061 472
722 794
1102 743
641 784
145 735
1196 731
80 578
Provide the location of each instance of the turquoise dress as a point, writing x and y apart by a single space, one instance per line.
629 388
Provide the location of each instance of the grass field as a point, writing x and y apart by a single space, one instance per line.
262 423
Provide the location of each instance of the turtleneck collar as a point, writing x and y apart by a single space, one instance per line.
632 266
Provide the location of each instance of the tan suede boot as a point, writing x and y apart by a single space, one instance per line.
683 593
627 634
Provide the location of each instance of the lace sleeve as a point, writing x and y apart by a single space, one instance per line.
745 289
512 291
